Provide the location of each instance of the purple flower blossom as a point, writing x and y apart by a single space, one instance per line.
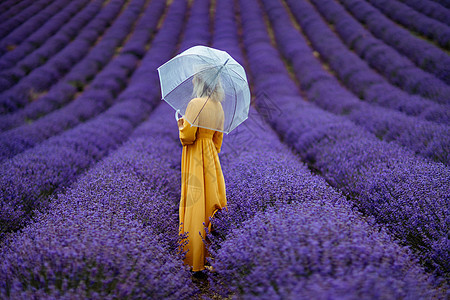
425 138
10 8
21 16
101 93
318 207
429 8
42 19
313 250
30 177
58 64
264 263
408 17
379 177
424 54
394 67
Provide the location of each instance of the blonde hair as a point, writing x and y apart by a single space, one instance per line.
207 83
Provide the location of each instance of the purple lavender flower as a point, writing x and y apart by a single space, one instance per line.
41 78
379 177
41 19
21 16
10 8
424 138
314 251
394 67
429 8
408 17
29 178
424 55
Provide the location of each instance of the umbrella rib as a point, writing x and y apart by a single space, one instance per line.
234 111
239 75
177 86
215 76
203 58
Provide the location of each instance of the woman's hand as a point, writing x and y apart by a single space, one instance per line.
180 122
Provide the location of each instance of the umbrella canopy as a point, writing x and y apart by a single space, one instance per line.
214 79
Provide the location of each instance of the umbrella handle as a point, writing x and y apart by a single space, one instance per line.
176 114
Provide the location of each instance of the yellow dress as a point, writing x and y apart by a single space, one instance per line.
202 181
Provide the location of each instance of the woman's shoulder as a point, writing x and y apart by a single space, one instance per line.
194 101
197 99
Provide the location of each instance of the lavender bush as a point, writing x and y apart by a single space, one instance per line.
252 151
145 28
38 40
127 202
254 184
327 93
315 251
84 72
43 18
443 3
41 78
270 262
197 27
431 9
101 93
28 178
382 179
395 67
405 15
22 16
383 58
424 55
96 242
131 191
9 8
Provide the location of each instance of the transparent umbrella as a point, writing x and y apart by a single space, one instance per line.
213 79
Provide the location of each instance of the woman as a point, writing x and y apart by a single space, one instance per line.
202 181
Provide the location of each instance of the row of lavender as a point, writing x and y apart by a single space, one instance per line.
11 8
125 202
81 78
100 76
432 9
22 14
422 53
137 188
424 138
113 234
103 181
405 193
29 177
18 143
51 33
21 32
413 20
283 226
36 77
279 237
395 67
444 3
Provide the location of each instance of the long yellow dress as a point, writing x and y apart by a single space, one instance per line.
202 181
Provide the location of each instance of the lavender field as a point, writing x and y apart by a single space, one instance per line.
337 183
